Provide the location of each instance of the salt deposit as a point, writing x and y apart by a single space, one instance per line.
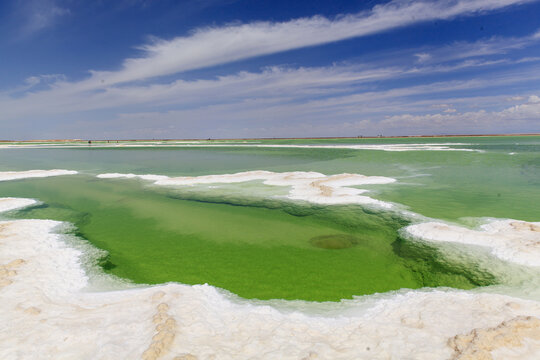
307 186
481 343
383 147
7 204
50 309
510 240
16 175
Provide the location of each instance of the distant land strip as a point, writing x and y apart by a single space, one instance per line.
278 138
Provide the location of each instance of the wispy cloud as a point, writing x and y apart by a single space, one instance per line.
422 57
260 117
331 98
107 90
276 83
37 15
481 48
524 117
212 46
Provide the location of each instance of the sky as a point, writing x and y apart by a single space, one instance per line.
164 69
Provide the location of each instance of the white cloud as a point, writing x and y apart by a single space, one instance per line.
39 14
528 59
277 83
534 99
330 87
279 102
270 99
283 84
32 80
515 98
422 57
524 117
484 47
259 118
440 106
530 109
212 46
47 78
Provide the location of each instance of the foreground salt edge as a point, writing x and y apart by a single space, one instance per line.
48 310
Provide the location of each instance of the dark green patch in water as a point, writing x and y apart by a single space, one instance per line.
334 242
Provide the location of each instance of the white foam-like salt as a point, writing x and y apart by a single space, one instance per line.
383 147
307 186
148 177
47 312
16 175
510 240
7 204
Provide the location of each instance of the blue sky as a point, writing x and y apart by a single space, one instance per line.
229 69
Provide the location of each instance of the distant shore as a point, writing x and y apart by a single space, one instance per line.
276 138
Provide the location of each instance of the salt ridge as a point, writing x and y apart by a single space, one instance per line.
7 204
307 186
17 175
48 311
510 240
383 147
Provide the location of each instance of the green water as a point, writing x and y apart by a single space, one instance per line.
239 238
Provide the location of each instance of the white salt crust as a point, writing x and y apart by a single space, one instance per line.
7 204
48 312
510 240
16 175
308 186
383 147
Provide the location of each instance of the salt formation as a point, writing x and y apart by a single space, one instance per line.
16 175
7 271
7 204
480 343
50 309
308 186
383 147
165 331
510 240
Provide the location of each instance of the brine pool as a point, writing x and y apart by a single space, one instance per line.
333 249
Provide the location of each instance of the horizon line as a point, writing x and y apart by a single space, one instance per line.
284 138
